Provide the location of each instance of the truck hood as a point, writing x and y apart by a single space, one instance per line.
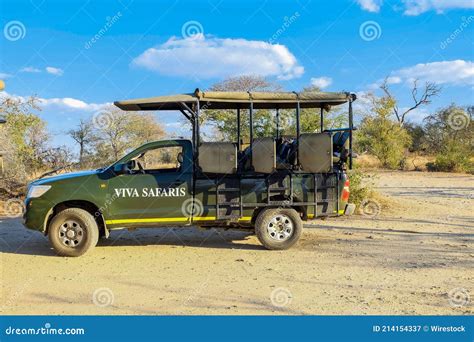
64 176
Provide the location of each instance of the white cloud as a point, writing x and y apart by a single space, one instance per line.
66 103
370 5
457 72
73 104
54 71
416 7
321 82
210 57
30 69
4 75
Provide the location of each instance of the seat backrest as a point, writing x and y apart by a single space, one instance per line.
218 157
264 155
315 152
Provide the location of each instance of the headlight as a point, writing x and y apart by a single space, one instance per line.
38 190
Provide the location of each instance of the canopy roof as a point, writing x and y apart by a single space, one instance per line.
234 99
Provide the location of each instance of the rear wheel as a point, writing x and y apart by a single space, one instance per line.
73 232
278 228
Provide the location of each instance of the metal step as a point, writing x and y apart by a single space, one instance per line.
229 190
229 204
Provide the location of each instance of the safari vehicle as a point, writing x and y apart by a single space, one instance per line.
269 184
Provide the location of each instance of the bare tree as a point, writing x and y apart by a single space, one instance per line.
430 90
83 135
246 83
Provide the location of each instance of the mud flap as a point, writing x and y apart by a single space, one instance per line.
350 208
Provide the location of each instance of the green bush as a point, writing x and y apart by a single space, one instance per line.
453 158
450 136
382 136
360 187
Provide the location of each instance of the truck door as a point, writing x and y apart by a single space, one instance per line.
157 190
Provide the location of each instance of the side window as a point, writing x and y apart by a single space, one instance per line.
162 159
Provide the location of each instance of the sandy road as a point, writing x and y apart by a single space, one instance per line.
405 261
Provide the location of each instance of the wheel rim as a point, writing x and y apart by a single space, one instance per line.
71 233
280 227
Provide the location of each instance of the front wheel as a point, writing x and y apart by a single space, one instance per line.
73 232
278 228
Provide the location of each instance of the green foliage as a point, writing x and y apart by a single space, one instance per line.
360 187
449 134
264 121
117 132
225 121
382 136
417 134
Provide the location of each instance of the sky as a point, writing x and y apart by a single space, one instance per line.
79 56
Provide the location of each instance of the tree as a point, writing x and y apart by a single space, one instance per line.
117 131
449 134
83 136
430 90
382 136
310 118
23 140
225 121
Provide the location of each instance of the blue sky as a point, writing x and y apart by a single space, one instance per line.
146 48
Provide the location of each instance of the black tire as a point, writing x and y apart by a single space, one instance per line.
73 232
278 238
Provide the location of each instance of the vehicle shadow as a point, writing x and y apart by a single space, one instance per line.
183 237
15 239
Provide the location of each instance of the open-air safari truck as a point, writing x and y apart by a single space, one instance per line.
271 184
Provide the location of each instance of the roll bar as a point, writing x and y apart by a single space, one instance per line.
190 107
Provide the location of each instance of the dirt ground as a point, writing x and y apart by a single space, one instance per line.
416 257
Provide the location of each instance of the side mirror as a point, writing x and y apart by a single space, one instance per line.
180 158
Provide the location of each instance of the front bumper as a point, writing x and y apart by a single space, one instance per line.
36 214
350 208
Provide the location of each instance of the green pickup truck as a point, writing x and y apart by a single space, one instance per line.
269 185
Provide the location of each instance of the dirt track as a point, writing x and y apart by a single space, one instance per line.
405 261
